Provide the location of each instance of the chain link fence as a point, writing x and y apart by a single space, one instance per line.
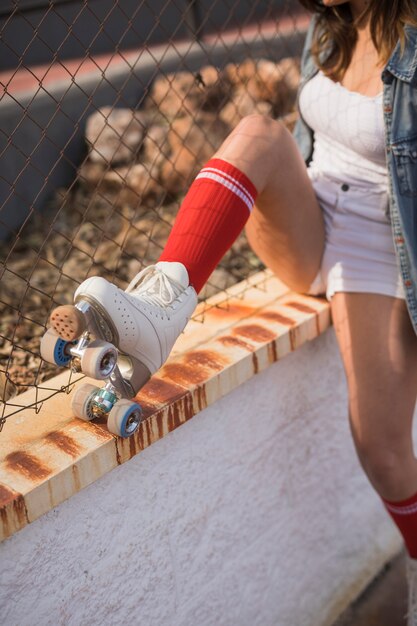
108 110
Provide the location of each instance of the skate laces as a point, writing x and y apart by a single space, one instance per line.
156 289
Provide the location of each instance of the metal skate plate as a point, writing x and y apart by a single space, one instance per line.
129 374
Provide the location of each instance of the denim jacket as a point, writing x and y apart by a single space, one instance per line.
400 115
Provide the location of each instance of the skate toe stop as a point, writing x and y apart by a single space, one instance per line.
68 322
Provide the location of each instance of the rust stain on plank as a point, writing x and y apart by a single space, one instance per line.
98 427
27 465
201 397
234 342
256 332
154 427
196 367
180 412
158 391
76 477
140 439
10 498
64 442
133 442
160 425
206 358
272 352
184 374
277 317
303 308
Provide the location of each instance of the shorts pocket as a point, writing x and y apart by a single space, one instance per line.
327 198
405 155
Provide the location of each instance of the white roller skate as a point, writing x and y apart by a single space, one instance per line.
122 337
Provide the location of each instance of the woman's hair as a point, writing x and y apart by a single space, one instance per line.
335 33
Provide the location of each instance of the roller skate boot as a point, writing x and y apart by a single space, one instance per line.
121 337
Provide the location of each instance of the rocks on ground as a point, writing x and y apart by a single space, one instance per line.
118 215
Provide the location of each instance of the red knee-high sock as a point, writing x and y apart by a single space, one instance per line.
211 217
404 514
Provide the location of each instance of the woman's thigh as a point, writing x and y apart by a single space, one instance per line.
286 227
379 351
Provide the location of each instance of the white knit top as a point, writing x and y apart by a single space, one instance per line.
349 132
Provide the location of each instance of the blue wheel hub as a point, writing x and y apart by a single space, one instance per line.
61 357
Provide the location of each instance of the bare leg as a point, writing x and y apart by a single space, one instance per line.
379 351
286 227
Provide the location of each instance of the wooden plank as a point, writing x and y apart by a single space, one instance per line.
46 458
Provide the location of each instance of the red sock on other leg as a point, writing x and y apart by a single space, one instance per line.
211 217
404 514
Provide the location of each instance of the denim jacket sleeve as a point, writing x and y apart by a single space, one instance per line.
400 114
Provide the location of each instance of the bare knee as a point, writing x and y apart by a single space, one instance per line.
261 125
255 146
268 134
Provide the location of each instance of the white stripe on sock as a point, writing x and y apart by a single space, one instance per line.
223 181
232 179
402 510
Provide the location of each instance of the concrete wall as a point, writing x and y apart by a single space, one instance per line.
36 33
253 513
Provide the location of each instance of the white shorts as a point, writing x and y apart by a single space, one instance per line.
359 254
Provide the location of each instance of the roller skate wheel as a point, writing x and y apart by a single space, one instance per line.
82 399
54 349
124 418
99 359
68 322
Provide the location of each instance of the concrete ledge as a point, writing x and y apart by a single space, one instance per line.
47 458
254 513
